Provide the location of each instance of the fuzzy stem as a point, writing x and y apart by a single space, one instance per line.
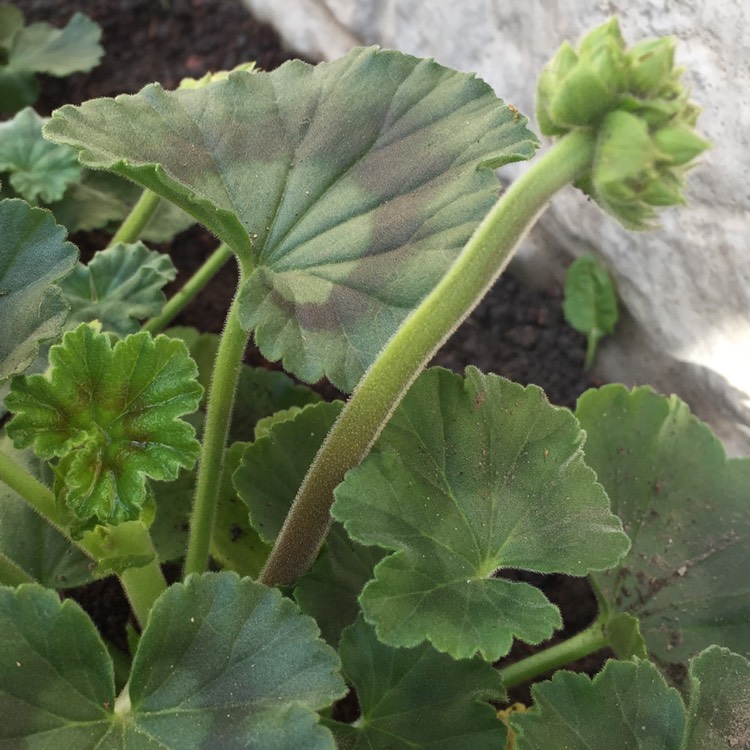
475 270
218 418
588 641
130 229
190 289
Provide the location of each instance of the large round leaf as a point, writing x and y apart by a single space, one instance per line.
471 476
224 662
346 189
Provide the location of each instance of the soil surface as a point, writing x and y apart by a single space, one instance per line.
517 332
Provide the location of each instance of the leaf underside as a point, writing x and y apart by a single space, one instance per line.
686 509
470 477
346 189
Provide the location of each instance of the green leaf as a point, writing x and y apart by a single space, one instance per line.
590 304
272 468
471 477
120 286
33 256
41 48
262 393
39 169
29 541
223 662
685 508
56 677
346 189
719 710
418 698
628 706
330 591
112 415
235 544
251 673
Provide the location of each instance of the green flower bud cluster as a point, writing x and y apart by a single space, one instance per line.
640 111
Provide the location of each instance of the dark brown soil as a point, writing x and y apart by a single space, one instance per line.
517 332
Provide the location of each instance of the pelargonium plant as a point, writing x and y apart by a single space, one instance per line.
355 547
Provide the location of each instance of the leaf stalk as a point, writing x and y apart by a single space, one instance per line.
588 641
216 432
131 228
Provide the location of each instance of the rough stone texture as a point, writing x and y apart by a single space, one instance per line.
685 288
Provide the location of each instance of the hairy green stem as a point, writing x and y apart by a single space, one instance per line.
130 229
216 431
588 641
475 270
141 588
190 289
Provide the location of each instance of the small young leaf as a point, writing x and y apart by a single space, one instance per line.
349 186
56 677
252 670
39 170
684 506
418 698
590 304
470 477
111 414
33 256
120 286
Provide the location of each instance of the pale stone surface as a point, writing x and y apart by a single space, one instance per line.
685 287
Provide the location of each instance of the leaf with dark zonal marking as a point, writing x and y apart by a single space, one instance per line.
346 189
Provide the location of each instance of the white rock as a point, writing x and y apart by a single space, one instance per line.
685 288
